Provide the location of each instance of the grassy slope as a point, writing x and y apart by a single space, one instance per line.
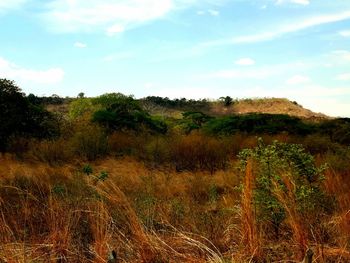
267 105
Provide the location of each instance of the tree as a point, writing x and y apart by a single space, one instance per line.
122 112
226 100
18 116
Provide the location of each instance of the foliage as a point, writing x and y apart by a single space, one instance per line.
81 107
189 105
338 130
54 99
193 120
122 112
20 117
227 101
90 143
87 169
258 124
276 165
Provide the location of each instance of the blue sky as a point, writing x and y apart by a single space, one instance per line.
297 49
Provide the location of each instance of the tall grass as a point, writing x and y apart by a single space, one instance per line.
50 210
249 225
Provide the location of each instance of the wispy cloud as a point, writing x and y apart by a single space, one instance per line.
245 62
280 31
344 76
297 80
118 56
261 72
211 12
108 15
115 29
80 45
343 55
345 33
10 4
24 75
299 2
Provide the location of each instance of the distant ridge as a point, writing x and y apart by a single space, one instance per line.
266 105
244 106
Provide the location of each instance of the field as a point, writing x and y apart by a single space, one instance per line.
106 181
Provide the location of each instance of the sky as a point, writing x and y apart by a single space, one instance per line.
295 49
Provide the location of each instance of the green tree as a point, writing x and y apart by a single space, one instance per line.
19 117
227 100
122 112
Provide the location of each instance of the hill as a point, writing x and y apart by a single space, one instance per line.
174 108
267 105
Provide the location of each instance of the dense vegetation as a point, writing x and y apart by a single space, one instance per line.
105 175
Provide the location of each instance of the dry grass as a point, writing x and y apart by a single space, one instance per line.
266 105
250 233
289 201
59 214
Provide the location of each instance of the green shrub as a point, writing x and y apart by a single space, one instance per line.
21 118
277 164
258 124
124 113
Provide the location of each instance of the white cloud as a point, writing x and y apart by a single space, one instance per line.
298 79
107 15
241 74
149 85
10 4
299 2
345 33
344 76
341 55
80 45
245 62
115 29
213 12
282 30
256 72
23 75
118 56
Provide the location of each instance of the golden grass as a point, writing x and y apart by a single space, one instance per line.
59 214
250 233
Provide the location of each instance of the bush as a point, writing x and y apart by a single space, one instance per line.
90 143
258 124
122 143
124 113
21 118
50 151
286 168
199 152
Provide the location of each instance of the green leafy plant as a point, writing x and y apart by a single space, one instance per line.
103 176
87 169
277 166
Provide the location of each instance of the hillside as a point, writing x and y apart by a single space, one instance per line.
267 105
243 106
103 180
